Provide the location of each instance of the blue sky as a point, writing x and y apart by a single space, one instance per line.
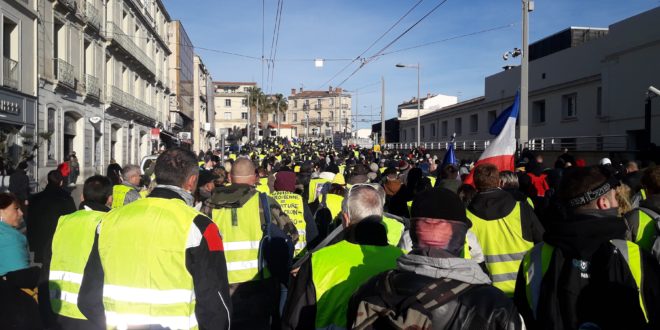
343 29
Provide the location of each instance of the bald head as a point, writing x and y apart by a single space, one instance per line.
243 172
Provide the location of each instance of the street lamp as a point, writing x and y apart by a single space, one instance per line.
415 66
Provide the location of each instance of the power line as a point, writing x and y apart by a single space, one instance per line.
380 52
372 44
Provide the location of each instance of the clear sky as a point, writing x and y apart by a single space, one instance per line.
343 29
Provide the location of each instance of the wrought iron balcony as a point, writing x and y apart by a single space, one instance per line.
92 87
64 73
318 107
92 15
70 4
115 33
10 73
119 98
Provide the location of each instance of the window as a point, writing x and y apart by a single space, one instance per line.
492 115
413 136
318 101
405 136
332 102
569 106
295 104
227 115
474 123
332 115
433 130
244 102
244 115
538 112
295 117
274 117
458 126
599 101
227 102
246 89
444 129
422 131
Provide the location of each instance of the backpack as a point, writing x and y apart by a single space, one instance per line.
388 310
275 245
539 185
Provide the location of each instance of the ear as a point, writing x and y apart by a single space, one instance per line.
603 203
108 202
346 221
82 198
191 183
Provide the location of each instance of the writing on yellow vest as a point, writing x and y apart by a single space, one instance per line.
292 205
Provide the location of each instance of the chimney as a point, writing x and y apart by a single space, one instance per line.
329 89
293 91
428 95
338 90
301 89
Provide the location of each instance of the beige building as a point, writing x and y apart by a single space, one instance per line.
182 75
204 121
231 107
320 113
587 91
104 81
18 80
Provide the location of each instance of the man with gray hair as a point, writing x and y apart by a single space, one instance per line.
128 191
319 294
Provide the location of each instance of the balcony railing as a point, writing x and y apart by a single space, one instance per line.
120 98
64 73
92 87
114 32
71 4
10 73
92 15
318 107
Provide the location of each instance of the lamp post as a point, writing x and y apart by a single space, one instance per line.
306 111
415 66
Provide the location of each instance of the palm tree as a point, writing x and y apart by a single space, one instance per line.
256 97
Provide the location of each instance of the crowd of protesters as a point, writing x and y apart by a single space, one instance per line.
290 235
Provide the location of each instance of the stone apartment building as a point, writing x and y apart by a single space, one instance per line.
18 80
204 114
320 113
231 107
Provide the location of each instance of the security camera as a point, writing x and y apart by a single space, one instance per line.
654 91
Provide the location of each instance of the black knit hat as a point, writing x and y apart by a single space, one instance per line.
439 203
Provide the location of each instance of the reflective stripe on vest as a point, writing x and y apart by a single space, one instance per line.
339 270
151 287
69 260
503 246
432 179
643 193
241 233
292 205
333 202
537 262
119 192
394 230
314 185
646 233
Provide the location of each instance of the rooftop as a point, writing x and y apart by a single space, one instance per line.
233 83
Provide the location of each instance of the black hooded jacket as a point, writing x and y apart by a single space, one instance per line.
587 281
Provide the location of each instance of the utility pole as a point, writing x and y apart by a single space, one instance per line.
247 131
382 112
277 112
418 109
527 6
256 129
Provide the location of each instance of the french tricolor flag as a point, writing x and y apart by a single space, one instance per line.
501 150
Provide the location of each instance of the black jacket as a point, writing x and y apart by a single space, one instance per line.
19 184
44 209
497 203
205 261
480 306
587 280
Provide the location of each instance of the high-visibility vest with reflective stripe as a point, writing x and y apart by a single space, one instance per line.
262 186
232 156
68 261
292 205
432 179
643 193
142 247
313 184
119 192
144 193
537 261
646 234
503 246
296 169
394 230
241 233
339 270
333 202
342 168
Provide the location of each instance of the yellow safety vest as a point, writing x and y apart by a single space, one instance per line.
232 156
339 270
503 246
432 179
241 233
262 186
333 202
68 261
292 205
314 184
645 235
119 192
394 230
142 247
537 261
643 193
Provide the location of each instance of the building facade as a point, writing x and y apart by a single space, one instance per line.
204 113
320 114
232 107
18 82
182 74
103 81
587 90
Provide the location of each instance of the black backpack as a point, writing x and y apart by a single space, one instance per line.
388 310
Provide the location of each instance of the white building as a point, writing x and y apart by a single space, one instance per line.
231 107
587 90
104 81
204 116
